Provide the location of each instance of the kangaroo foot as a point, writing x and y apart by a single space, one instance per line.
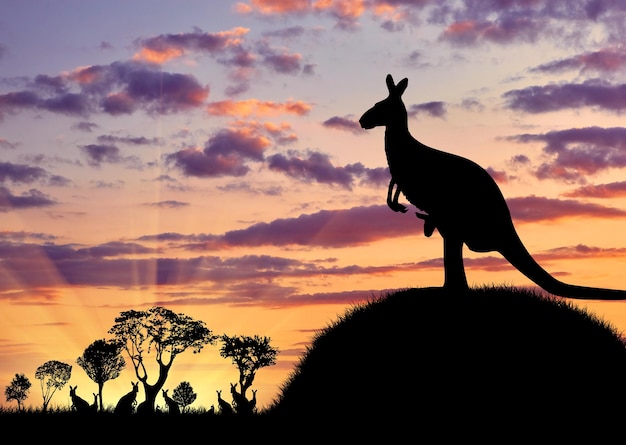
429 226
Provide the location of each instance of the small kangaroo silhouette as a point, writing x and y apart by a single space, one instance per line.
94 406
79 404
460 199
172 406
126 403
225 407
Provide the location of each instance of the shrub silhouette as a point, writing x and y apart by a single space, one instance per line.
492 354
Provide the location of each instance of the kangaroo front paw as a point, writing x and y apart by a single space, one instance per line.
397 207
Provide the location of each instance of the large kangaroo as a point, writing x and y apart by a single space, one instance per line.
460 199
78 403
126 403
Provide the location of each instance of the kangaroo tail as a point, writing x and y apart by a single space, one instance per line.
519 257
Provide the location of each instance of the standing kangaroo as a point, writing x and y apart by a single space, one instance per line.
79 404
461 200
225 407
172 406
127 402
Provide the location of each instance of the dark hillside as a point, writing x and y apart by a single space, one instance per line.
491 356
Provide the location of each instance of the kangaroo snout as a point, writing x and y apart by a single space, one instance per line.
366 123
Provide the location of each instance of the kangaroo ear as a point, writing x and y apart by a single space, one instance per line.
402 86
391 86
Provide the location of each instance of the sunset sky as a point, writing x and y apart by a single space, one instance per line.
205 156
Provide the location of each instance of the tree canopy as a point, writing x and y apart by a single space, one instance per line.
53 375
102 361
249 354
163 332
18 390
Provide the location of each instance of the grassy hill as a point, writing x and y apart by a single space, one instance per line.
418 364
491 356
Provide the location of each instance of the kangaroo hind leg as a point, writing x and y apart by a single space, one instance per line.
454 270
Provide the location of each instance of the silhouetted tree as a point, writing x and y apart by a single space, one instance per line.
183 395
18 390
52 375
249 354
102 361
164 332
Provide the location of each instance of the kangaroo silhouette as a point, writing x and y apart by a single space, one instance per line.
225 407
172 406
241 403
127 402
460 199
79 404
94 406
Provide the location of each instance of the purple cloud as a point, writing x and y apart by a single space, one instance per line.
317 167
98 154
579 151
607 60
225 154
169 204
118 88
537 208
611 190
29 199
592 93
21 173
343 123
281 61
433 109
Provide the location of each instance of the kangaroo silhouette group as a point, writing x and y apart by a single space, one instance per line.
127 404
460 199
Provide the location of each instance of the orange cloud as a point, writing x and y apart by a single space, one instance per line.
158 56
343 8
257 107
274 6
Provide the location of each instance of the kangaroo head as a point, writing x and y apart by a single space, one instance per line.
388 110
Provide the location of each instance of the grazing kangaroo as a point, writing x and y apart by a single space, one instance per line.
460 199
172 406
225 407
79 404
127 402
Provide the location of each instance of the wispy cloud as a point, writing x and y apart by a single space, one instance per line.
610 190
